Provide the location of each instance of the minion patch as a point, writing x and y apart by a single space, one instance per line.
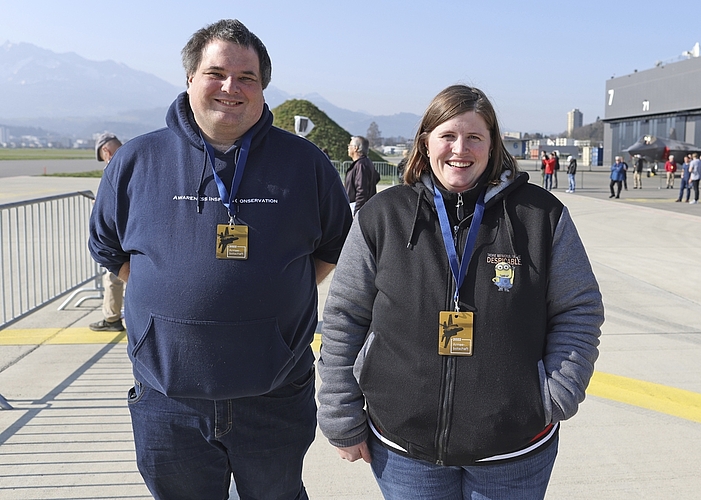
504 270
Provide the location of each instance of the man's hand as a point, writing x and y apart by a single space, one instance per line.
322 269
353 453
124 272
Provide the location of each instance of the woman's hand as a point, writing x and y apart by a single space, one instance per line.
353 453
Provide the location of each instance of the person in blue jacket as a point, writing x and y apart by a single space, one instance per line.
223 226
618 174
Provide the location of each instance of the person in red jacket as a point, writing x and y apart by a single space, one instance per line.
670 167
549 163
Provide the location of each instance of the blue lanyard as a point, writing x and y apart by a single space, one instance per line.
459 270
227 198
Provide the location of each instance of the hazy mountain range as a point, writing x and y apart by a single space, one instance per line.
68 95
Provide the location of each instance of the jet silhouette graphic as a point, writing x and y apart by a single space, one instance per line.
449 330
225 239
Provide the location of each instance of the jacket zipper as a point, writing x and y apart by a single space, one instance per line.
447 395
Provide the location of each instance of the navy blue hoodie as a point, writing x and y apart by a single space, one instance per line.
199 326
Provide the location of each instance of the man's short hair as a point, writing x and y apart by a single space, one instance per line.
103 139
361 144
228 30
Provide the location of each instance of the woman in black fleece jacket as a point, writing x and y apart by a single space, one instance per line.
462 322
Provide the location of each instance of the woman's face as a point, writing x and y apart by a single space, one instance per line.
459 150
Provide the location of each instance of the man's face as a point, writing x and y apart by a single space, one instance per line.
226 94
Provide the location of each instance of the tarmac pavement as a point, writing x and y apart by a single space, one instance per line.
637 435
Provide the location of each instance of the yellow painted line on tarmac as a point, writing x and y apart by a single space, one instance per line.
58 336
316 343
649 200
656 397
648 395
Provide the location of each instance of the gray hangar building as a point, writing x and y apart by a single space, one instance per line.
664 101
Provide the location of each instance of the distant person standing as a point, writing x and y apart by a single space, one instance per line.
555 168
361 178
105 147
670 167
571 172
694 176
638 164
401 166
543 157
549 170
617 172
685 184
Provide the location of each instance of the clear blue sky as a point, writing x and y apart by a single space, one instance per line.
536 60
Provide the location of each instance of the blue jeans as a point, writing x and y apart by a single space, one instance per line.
572 182
402 478
548 183
686 186
189 448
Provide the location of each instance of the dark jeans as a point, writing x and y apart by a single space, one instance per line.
686 186
548 182
695 187
189 448
618 187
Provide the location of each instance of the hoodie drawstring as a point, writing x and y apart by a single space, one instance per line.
199 186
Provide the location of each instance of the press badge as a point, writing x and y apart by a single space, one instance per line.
455 333
232 241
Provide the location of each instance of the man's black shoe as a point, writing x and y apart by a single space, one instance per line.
107 326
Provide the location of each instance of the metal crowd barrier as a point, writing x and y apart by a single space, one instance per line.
388 171
44 253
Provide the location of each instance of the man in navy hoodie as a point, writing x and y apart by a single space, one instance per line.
223 225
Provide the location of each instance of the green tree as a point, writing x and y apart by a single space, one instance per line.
593 132
374 136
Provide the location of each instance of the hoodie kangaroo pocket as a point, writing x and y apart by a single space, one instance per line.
212 360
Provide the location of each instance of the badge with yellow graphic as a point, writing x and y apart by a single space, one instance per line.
455 333
504 276
232 241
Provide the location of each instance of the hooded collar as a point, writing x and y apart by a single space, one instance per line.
181 121
494 193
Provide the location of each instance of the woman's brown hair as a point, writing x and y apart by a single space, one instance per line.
449 103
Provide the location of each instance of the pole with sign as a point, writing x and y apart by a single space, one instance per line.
303 125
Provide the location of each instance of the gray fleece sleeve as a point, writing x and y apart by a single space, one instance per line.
347 317
575 316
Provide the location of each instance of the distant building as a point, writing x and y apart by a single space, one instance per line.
515 145
564 141
4 136
512 135
663 101
535 146
394 150
575 120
